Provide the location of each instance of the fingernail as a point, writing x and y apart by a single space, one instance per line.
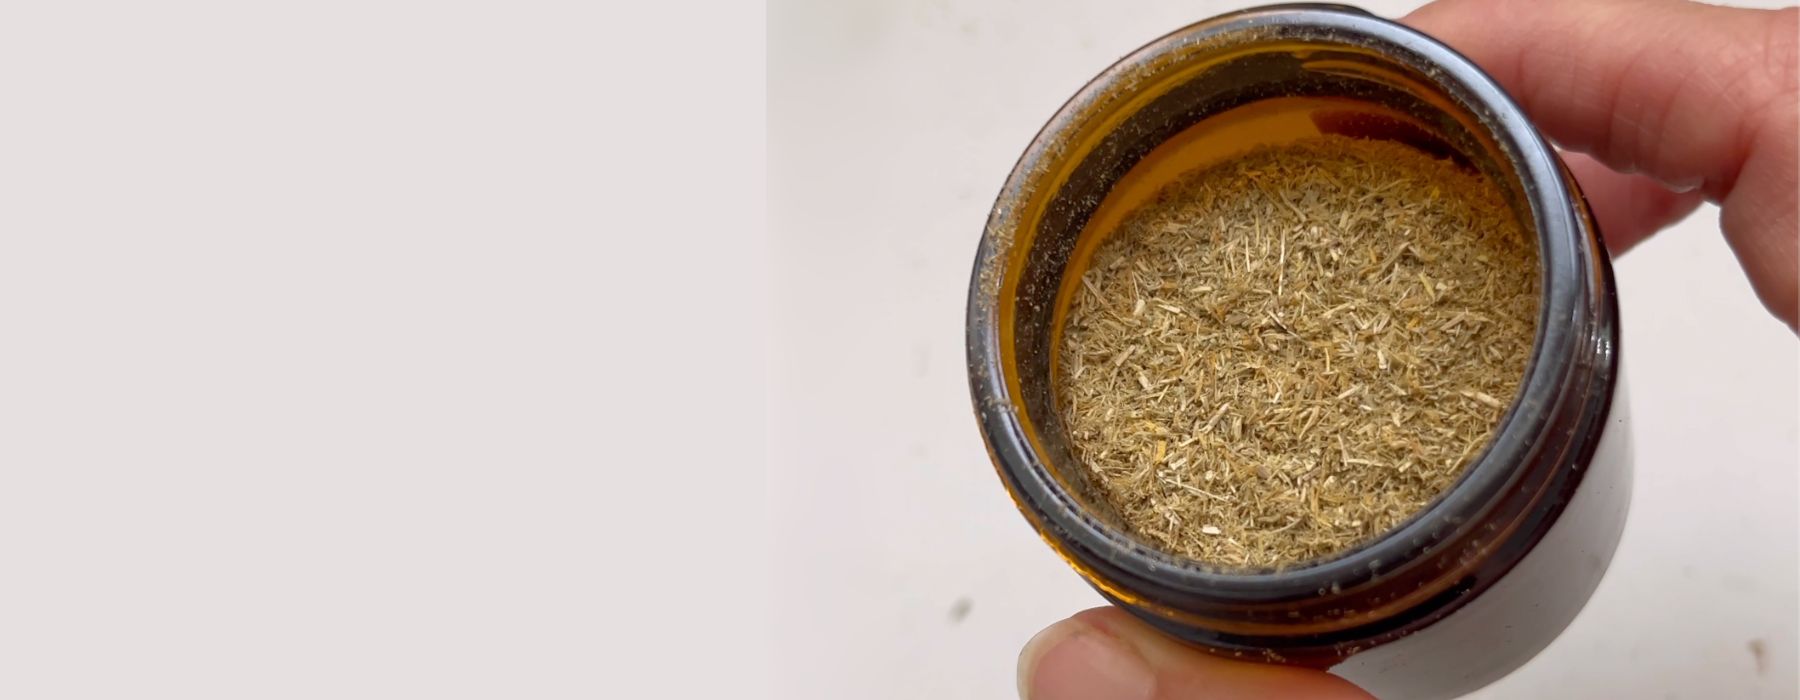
1072 660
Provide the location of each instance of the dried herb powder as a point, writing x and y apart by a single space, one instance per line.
1292 351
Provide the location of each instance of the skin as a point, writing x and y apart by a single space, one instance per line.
1662 104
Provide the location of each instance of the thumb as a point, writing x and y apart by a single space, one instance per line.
1107 654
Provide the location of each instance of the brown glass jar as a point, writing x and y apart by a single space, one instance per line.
1483 578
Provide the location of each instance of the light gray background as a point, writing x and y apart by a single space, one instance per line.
379 349
891 127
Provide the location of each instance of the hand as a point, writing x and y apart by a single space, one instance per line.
1699 102
1702 100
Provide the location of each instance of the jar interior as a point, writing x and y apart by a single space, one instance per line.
1208 103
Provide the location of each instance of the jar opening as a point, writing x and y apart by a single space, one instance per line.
1348 73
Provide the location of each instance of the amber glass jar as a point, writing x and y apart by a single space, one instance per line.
1483 578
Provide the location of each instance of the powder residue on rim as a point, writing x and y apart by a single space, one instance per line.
1293 351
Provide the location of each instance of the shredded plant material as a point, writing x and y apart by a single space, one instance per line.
1293 351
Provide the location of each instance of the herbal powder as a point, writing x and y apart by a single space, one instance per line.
1294 350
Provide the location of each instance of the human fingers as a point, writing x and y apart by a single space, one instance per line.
1106 654
1694 96
1628 208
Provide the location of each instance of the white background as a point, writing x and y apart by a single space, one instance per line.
381 349
891 128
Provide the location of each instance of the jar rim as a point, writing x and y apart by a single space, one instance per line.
1568 287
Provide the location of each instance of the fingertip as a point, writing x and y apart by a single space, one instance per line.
1073 659
1628 208
1107 653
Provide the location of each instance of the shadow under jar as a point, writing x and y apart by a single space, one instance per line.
1483 577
